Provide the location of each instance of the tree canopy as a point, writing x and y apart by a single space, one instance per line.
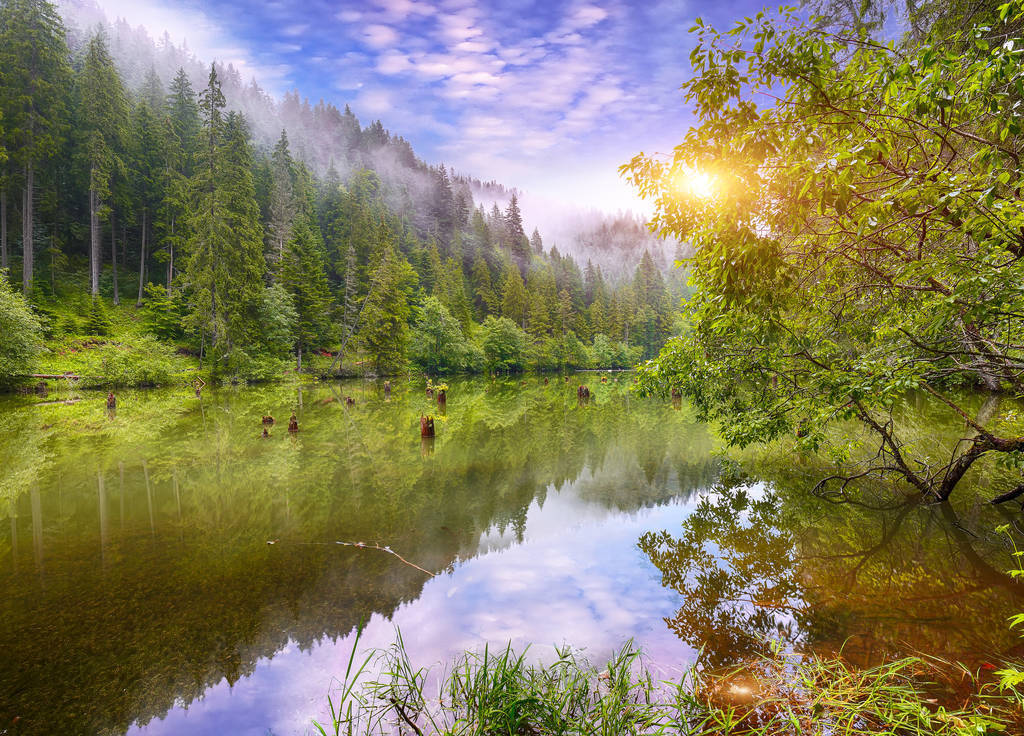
858 222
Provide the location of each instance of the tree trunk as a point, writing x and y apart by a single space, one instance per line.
26 231
170 264
142 260
113 256
94 242
299 361
3 227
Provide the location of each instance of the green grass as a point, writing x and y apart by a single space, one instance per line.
502 693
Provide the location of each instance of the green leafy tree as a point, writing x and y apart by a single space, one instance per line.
438 345
504 344
34 79
856 239
20 333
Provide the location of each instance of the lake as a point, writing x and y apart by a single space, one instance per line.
167 570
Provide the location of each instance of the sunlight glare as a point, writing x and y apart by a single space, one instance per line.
694 183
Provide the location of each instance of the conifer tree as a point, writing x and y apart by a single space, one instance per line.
34 78
536 243
304 275
513 297
103 125
225 266
384 329
517 241
484 299
283 205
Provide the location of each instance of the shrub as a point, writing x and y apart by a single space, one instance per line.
145 362
20 332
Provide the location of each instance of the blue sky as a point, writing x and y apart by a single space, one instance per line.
547 96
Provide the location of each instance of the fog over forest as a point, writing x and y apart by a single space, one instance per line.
327 133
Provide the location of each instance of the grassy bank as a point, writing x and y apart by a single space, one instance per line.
502 693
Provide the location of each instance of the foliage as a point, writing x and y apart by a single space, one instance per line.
20 333
98 321
164 314
857 237
438 345
278 320
144 362
503 343
501 693
608 354
384 333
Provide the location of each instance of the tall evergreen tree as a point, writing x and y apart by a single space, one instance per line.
517 240
34 77
225 266
283 205
384 329
513 296
304 275
103 124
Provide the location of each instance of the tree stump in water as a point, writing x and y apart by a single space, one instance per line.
442 397
293 423
349 401
426 426
268 419
111 401
387 389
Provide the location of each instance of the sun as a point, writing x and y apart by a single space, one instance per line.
694 183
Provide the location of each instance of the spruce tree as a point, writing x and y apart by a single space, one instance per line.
384 329
225 266
304 275
517 240
513 297
34 78
102 127
283 205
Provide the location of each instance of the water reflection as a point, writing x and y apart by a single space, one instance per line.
136 620
180 618
754 565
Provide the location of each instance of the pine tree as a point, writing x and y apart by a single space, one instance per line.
384 330
484 298
283 205
304 275
517 241
184 114
148 174
34 78
225 265
443 209
536 244
513 297
103 129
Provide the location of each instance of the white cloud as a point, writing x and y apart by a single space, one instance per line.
380 36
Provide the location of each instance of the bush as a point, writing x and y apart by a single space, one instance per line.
239 365
20 332
145 362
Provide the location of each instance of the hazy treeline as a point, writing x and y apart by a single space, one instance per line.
241 251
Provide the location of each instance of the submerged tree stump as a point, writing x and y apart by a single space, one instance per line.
426 426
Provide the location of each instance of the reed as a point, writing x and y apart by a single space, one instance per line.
502 693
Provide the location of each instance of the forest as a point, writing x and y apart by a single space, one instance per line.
149 234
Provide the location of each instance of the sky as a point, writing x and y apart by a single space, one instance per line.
550 97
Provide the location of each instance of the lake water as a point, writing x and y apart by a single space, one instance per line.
166 570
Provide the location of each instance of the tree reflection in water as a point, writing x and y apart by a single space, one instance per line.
754 564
